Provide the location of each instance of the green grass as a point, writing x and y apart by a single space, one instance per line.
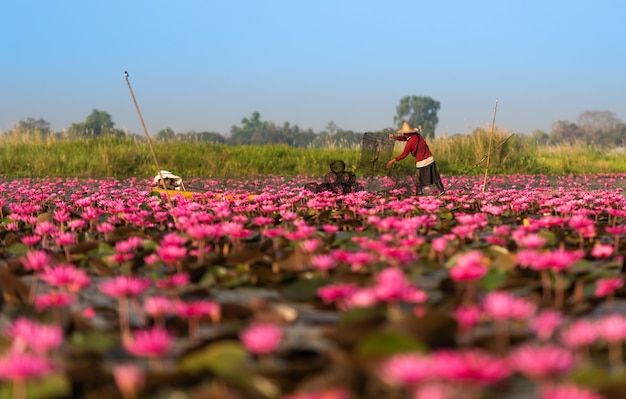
131 156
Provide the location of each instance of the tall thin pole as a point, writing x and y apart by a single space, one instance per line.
493 126
145 130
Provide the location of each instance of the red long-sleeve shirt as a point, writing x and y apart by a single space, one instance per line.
415 145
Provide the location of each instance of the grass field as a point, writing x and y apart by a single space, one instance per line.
127 157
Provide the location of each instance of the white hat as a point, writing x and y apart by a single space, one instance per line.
168 175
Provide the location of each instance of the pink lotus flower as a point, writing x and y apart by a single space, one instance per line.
612 328
330 228
129 245
151 343
406 369
36 260
336 292
557 260
76 224
439 244
65 239
197 309
45 229
469 266
173 239
541 362
323 262
500 305
20 367
608 286
62 215
391 285
580 334
171 254
66 276
201 233
435 390
124 286
261 338
602 251
530 241
360 298
105 228
473 366
567 391
53 300
173 281
31 240
129 379
467 316
158 306
545 323
326 393
41 338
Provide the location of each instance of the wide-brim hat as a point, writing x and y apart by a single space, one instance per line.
407 128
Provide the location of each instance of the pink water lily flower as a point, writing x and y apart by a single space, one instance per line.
501 305
129 379
21 367
608 286
545 323
474 366
540 362
469 266
40 338
261 338
36 260
67 277
124 288
154 343
602 251
194 311
406 369
568 391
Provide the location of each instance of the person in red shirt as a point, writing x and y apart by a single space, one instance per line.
426 169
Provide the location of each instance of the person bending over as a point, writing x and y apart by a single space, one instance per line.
426 170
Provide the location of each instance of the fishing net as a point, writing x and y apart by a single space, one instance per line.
338 180
376 150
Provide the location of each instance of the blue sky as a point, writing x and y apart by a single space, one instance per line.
205 65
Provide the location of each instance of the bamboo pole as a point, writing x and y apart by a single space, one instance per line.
493 126
145 130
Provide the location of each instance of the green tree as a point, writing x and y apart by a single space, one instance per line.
243 135
165 134
418 111
33 126
540 137
96 124
331 127
204 137
566 132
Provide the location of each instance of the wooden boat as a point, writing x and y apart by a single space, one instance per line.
174 193
199 195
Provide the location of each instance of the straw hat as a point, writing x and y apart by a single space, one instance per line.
407 129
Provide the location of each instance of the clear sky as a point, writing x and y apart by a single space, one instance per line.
204 65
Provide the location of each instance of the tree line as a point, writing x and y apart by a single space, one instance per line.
599 128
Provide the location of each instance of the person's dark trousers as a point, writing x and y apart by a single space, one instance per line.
418 182
440 187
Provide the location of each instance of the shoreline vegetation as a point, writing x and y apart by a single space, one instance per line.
125 157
